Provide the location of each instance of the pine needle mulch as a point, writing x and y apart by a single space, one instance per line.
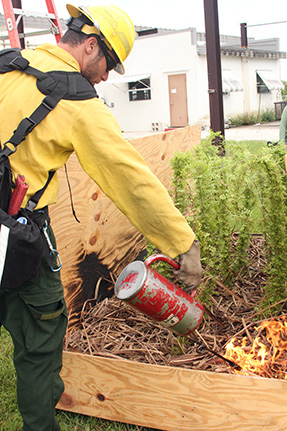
113 329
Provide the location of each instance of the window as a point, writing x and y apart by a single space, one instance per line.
140 90
261 86
268 81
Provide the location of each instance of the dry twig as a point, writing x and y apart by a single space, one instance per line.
113 329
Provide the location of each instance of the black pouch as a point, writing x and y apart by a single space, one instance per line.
21 249
22 245
21 241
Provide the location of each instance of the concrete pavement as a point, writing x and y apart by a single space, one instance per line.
257 132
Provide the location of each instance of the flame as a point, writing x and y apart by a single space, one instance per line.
266 355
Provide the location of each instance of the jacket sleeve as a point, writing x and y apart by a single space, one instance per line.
283 125
122 174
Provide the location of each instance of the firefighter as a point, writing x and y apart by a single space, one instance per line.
97 41
283 126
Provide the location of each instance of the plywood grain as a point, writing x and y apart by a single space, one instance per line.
169 398
104 242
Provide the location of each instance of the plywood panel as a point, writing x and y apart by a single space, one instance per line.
169 398
95 250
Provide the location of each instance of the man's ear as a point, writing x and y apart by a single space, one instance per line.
91 44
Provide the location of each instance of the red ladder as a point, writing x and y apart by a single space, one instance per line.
14 21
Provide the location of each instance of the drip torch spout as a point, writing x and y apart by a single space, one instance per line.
233 364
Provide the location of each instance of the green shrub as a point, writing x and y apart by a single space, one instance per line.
245 119
267 115
250 118
228 199
284 92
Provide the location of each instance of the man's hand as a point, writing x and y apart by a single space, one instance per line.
190 271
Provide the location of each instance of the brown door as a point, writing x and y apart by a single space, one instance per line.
178 100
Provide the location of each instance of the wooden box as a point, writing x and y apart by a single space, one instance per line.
166 398
169 398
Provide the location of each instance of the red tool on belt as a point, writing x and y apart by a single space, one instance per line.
18 195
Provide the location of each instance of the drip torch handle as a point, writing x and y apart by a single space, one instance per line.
18 195
163 258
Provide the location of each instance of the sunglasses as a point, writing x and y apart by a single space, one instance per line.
111 63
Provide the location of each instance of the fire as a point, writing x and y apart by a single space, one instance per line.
266 354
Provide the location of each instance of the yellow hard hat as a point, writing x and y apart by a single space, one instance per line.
112 24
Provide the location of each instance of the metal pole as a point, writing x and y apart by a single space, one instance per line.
243 35
214 66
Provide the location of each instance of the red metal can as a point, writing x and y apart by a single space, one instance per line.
149 292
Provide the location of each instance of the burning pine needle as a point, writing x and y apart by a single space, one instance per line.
267 354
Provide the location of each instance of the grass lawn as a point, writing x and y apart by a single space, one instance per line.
10 419
255 147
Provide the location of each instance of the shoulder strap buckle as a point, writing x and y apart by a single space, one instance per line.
19 63
6 151
24 128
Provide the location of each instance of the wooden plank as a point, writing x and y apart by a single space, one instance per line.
104 241
169 398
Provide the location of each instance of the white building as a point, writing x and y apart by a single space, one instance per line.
166 82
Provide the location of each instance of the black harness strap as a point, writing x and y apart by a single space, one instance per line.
47 105
27 124
55 85
33 201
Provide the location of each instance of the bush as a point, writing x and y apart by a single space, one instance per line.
267 115
247 119
239 194
284 92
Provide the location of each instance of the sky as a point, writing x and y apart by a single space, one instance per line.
179 14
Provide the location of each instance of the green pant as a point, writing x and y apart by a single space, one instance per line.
36 318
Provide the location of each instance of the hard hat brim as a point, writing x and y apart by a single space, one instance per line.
119 68
73 10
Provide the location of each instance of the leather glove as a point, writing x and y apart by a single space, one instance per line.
190 271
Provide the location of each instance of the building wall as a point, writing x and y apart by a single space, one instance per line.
253 102
249 100
159 57
176 53
200 100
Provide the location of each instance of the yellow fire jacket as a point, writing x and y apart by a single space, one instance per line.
89 129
